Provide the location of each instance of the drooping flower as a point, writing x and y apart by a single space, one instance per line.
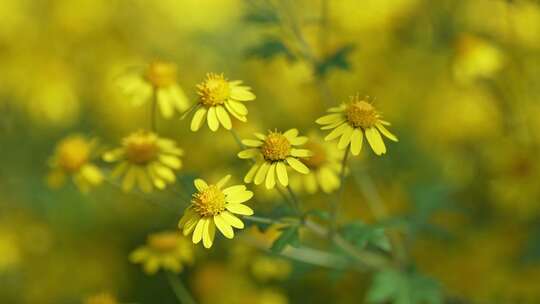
72 157
145 159
213 207
159 81
351 121
273 153
218 99
324 165
168 250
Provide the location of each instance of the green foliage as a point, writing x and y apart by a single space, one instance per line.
336 61
403 288
270 48
289 236
362 235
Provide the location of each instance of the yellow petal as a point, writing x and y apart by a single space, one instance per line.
251 174
223 226
165 103
356 141
345 139
301 153
213 122
209 231
178 98
223 181
248 153
144 182
200 184
375 141
281 171
311 183
239 197
234 189
299 140
223 117
330 118
291 134
129 179
238 107
234 113
198 232
261 173
241 93
239 209
270 177
190 224
232 220
385 132
252 143
198 119
260 136
170 161
297 165
337 132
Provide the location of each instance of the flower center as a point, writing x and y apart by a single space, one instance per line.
73 153
318 158
360 113
141 147
214 90
209 202
164 241
276 147
161 74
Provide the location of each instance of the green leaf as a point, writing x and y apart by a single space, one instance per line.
269 49
392 286
338 60
321 214
362 235
289 236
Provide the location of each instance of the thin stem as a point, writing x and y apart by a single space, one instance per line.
294 200
237 139
180 290
153 110
264 220
335 205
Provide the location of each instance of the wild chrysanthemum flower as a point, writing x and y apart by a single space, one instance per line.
213 207
158 78
72 157
324 165
101 298
168 250
218 98
351 121
145 159
273 153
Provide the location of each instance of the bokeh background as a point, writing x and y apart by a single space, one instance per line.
458 79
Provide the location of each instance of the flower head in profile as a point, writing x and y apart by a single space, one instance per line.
101 298
273 153
218 100
158 80
214 206
72 157
147 160
351 121
168 250
324 167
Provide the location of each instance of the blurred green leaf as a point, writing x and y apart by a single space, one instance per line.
362 235
270 48
289 236
403 288
337 60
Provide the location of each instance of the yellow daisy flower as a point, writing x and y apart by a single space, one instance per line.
213 207
324 166
72 157
145 159
101 298
168 250
351 121
218 98
158 78
274 153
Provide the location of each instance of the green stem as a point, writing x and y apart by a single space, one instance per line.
153 110
336 203
180 290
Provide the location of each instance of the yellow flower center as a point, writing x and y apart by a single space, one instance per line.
161 74
141 147
73 153
276 147
103 298
209 202
361 113
164 241
214 90
318 158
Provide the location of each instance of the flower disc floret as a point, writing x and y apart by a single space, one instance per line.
209 202
161 74
73 153
361 114
214 90
276 147
141 147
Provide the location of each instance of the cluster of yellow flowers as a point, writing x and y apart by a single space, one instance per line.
147 161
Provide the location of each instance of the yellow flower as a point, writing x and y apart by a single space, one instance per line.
158 78
324 166
73 157
218 98
101 298
274 153
213 207
168 250
147 159
351 121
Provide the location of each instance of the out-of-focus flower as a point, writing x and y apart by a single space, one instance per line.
101 298
10 253
213 207
72 157
351 121
145 159
266 268
158 82
324 166
476 58
273 153
168 250
218 98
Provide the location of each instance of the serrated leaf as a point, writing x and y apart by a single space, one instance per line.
362 235
289 236
270 48
392 286
323 215
337 60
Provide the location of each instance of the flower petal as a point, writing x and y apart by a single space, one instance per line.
248 153
239 197
291 134
223 226
301 153
356 141
223 117
330 118
200 184
239 209
281 171
238 107
252 142
241 93
209 231
232 220
261 173
297 165
337 132
270 177
198 119
213 122
375 141
234 189
222 182
345 139
385 132
251 174
198 232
